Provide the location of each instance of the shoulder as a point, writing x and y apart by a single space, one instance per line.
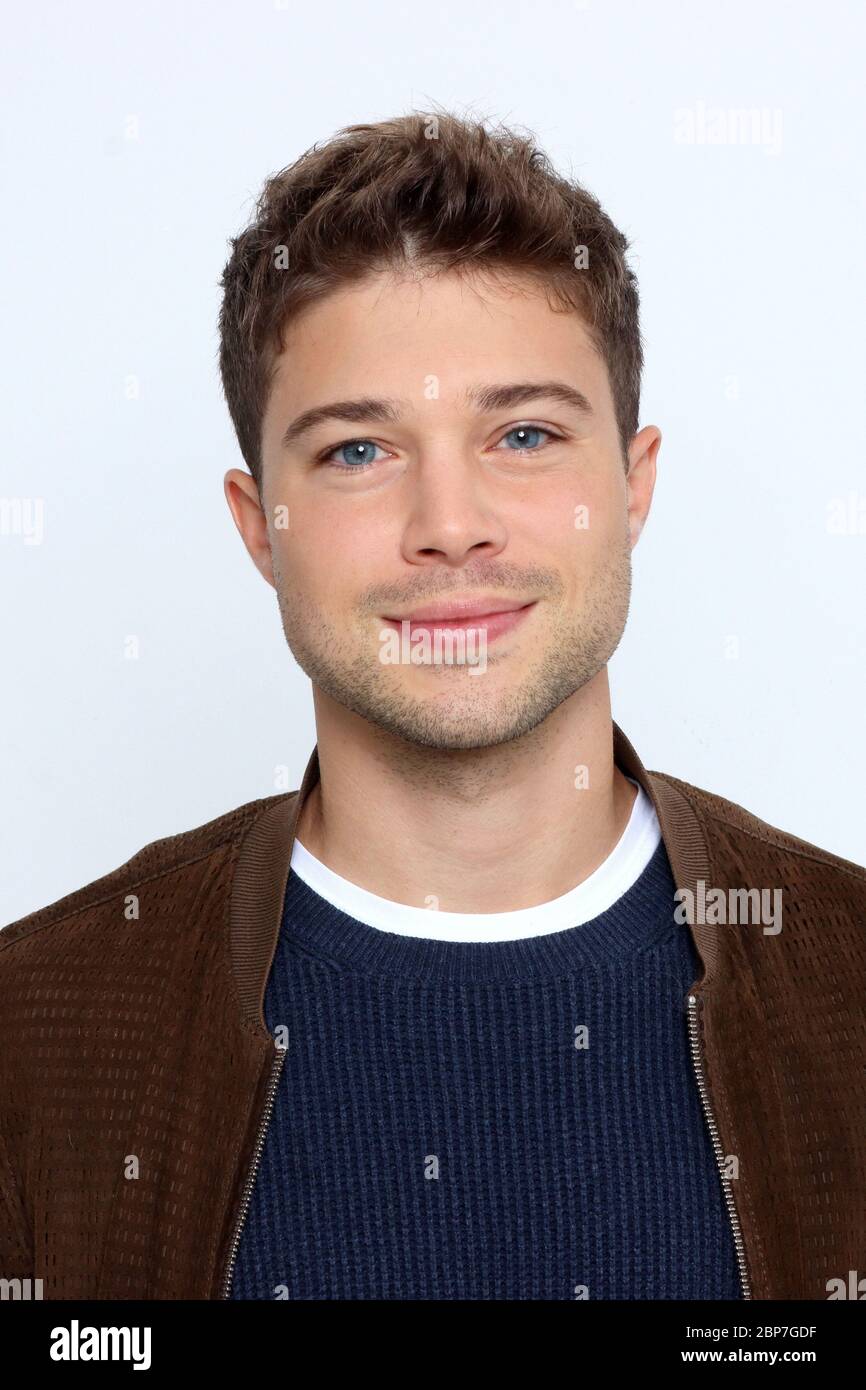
190 859
743 846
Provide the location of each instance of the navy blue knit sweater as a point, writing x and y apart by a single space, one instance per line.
437 1133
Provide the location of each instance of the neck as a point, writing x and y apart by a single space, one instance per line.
475 830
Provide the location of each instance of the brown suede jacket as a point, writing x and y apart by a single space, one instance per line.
137 1075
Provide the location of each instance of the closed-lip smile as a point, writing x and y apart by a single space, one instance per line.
491 615
461 609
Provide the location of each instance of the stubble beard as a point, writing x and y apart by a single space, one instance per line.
459 712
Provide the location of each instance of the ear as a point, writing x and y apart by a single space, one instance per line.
242 495
641 478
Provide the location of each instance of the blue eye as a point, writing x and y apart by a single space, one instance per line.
357 455
353 455
527 435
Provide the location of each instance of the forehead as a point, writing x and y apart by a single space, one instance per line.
414 339
391 326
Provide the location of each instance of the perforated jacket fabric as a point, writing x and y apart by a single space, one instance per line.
136 1071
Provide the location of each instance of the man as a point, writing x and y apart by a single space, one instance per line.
484 1010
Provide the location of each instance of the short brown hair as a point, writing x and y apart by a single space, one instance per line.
426 189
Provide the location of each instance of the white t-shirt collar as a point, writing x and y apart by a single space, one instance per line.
613 877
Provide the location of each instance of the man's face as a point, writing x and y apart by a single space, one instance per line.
448 496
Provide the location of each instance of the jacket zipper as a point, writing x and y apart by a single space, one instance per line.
694 1007
694 1034
276 1071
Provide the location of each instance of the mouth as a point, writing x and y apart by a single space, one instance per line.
493 617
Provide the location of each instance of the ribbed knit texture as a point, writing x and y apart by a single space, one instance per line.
436 1134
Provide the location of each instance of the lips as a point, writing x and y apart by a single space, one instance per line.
460 609
493 617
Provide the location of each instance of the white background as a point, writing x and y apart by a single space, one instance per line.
135 138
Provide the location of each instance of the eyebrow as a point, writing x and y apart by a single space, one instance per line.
484 398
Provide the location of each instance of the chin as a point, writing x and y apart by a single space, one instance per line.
470 726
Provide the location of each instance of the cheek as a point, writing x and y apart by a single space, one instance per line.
573 518
598 508
326 557
577 530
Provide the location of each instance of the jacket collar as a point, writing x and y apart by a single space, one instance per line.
264 862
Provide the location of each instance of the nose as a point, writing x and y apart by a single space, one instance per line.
451 514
